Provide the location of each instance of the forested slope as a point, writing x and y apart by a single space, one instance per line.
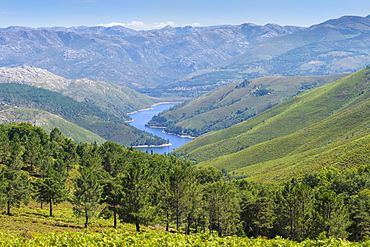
313 122
83 114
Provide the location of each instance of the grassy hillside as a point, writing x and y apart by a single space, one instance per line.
311 123
83 114
234 103
47 121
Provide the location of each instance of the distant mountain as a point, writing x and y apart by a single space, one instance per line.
189 61
83 114
127 57
332 47
116 99
294 137
234 103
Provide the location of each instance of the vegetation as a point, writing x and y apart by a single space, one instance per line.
293 137
83 114
323 207
117 238
48 121
234 103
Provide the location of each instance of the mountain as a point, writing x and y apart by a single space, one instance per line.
47 121
293 137
137 60
234 103
83 114
189 61
332 47
118 100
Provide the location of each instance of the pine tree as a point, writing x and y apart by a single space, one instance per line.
223 204
137 183
17 185
52 187
112 196
360 216
295 208
331 214
88 193
257 210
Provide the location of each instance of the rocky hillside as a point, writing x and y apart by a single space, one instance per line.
114 98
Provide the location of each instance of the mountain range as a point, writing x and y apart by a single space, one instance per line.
189 61
127 57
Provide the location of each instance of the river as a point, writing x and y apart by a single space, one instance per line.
142 117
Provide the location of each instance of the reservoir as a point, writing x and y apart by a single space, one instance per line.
142 117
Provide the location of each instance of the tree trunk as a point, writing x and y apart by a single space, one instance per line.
167 221
8 208
137 226
86 219
51 207
187 232
114 217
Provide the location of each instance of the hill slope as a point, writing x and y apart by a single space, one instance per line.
118 100
234 103
84 114
311 123
47 121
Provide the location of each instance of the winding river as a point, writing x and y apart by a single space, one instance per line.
142 117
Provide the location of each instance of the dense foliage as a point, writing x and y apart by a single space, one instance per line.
147 189
84 114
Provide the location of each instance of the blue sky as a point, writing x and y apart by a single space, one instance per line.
145 14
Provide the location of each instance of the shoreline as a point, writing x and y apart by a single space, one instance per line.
151 107
169 133
184 136
153 146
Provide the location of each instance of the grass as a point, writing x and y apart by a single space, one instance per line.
31 218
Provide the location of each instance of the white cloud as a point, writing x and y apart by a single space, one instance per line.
139 25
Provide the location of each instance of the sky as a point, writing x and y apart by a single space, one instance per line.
150 14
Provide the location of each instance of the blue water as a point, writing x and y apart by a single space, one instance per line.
142 117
